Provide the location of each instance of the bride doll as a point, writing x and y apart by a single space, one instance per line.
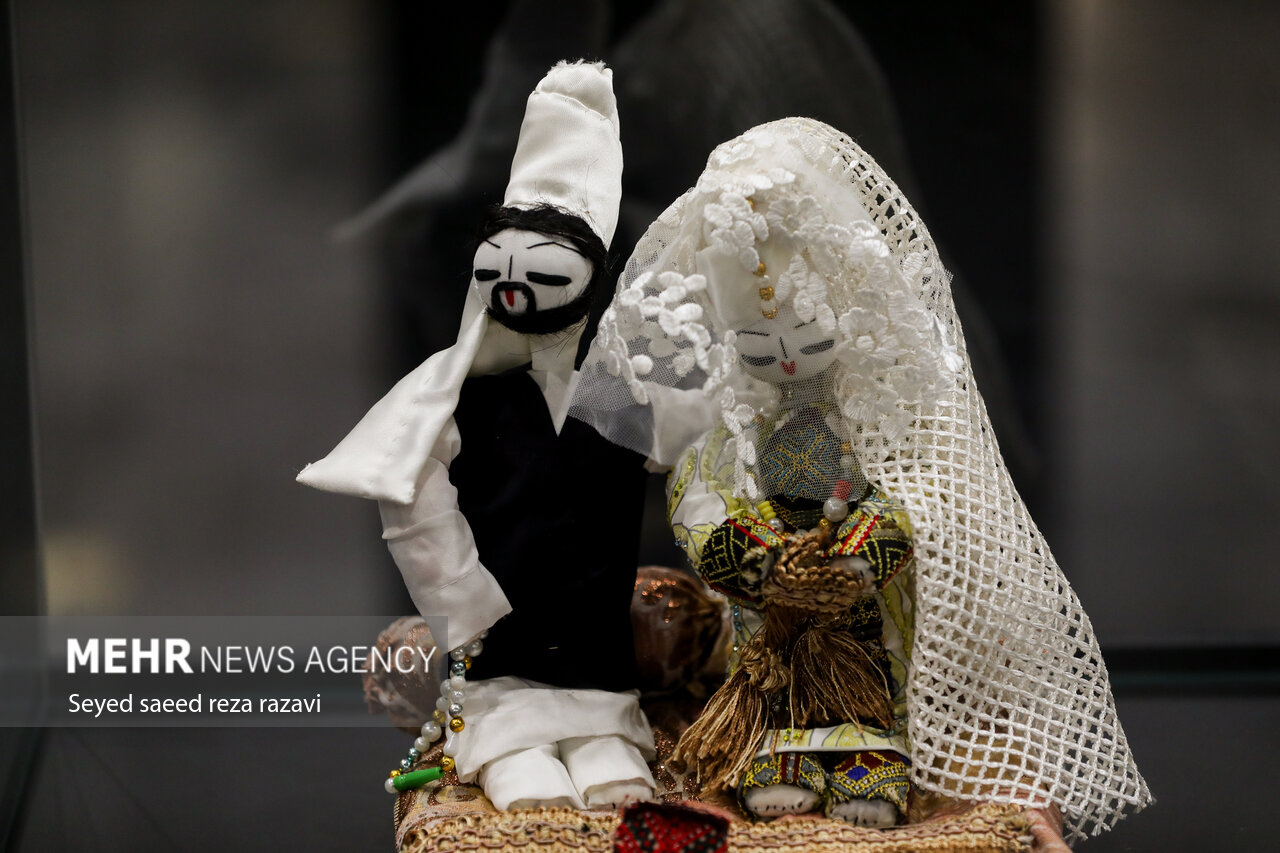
783 338
819 576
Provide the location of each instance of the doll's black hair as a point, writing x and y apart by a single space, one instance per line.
554 222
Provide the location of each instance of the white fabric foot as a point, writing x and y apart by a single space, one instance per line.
617 795
876 814
529 779
508 715
607 771
774 800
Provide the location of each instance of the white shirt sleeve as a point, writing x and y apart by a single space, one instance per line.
434 548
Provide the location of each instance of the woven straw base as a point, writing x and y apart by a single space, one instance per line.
457 817
987 829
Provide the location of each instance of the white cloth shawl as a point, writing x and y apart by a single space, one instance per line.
382 456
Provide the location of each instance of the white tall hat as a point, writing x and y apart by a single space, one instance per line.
570 154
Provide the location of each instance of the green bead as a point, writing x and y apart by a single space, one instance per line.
417 778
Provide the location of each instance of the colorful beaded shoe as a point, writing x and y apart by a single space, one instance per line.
784 783
868 787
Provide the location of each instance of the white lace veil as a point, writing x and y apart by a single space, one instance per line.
1008 698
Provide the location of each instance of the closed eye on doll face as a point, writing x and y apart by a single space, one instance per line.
756 360
520 273
820 346
782 350
548 279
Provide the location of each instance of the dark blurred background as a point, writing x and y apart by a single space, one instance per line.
1101 178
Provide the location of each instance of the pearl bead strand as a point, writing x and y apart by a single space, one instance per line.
447 717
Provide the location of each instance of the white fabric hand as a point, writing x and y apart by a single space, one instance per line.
434 548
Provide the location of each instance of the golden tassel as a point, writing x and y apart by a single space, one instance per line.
720 744
835 679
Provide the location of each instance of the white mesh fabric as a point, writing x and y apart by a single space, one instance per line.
1008 698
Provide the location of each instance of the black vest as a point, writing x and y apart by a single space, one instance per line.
556 520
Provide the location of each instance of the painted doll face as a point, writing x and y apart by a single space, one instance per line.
523 276
785 349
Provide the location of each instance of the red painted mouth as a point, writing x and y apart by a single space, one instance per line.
512 299
789 368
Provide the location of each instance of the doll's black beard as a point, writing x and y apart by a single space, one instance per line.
541 322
